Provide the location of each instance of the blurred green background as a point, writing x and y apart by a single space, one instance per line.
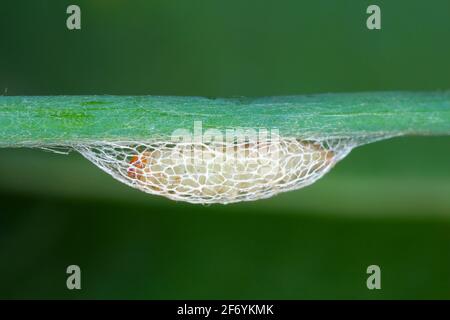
387 203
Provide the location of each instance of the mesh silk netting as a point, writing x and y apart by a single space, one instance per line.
217 172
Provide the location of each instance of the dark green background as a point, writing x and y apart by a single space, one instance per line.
386 204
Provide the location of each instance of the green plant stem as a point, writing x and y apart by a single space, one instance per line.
67 120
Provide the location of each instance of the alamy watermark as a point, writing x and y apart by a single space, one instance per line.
226 145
